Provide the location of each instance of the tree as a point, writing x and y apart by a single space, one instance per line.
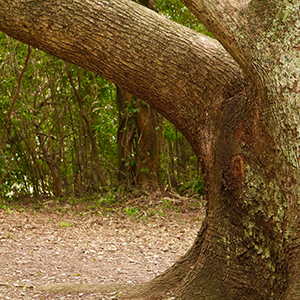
139 141
139 138
237 103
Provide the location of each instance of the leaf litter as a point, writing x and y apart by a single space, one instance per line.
48 247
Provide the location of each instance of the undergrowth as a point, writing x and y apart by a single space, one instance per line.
136 204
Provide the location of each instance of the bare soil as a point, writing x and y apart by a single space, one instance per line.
51 247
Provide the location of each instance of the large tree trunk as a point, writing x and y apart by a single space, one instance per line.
238 106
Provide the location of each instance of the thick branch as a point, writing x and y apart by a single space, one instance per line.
173 68
224 18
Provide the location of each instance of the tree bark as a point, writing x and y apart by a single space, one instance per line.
148 145
126 133
139 141
237 104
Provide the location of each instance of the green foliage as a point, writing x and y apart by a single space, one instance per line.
66 224
198 187
131 211
167 203
194 186
179 165
176 11
47 150
109 199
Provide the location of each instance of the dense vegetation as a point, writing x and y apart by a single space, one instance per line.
61 138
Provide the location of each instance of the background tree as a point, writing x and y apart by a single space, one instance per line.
139 141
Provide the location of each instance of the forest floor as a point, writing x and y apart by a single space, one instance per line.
53 242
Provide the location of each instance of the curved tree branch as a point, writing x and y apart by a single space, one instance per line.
171 67
224 18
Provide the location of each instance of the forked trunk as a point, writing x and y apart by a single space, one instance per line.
250 247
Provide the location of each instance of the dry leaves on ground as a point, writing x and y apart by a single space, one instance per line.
46 248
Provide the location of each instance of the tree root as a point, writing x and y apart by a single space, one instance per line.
124 291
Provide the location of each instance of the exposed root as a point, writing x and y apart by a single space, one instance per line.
87 288
124 291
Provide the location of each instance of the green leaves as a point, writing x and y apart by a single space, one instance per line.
176 11
47 150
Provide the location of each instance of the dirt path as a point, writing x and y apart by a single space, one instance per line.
46 248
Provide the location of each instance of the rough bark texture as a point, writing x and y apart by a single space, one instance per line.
238 106
148 145
126 132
